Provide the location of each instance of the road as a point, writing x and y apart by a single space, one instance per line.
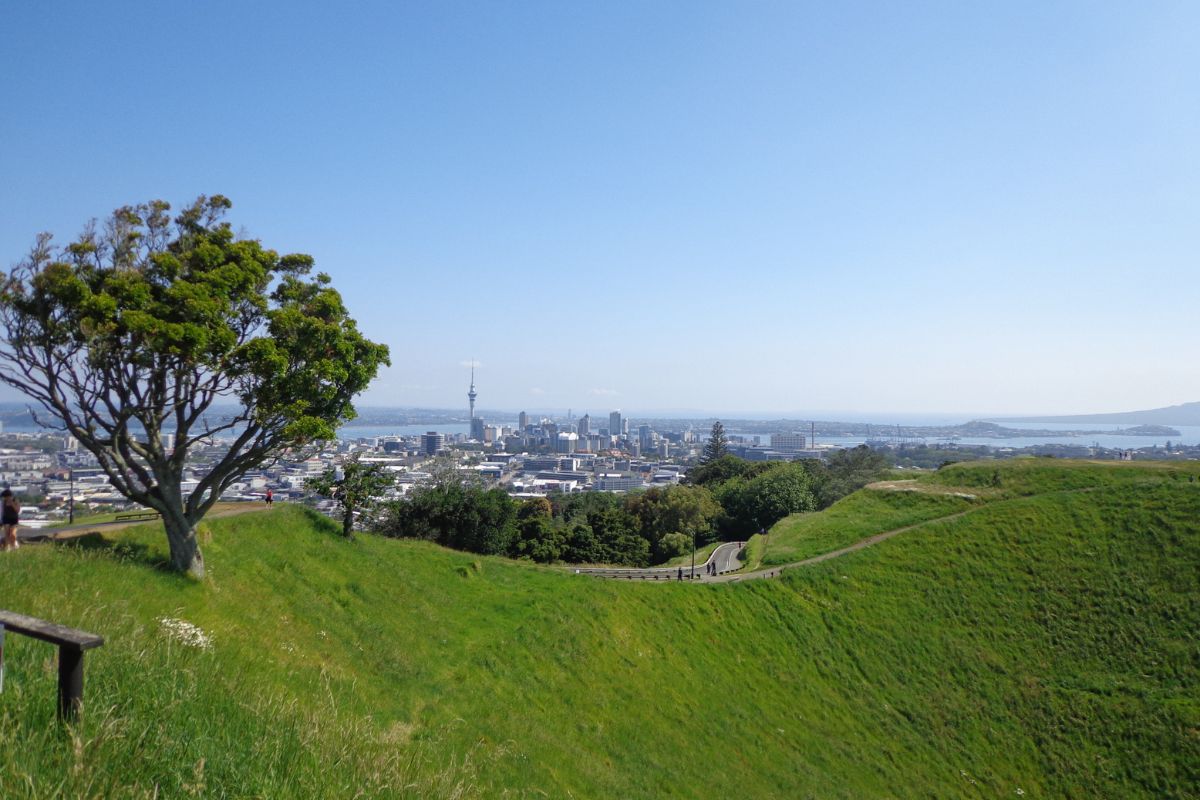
725 558
728 563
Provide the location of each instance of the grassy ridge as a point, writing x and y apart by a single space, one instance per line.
855 517
1045 642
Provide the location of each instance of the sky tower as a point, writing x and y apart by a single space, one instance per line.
471 395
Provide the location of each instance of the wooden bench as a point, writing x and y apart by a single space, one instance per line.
135 515
71 645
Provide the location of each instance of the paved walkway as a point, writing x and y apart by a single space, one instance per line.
722 560
728 563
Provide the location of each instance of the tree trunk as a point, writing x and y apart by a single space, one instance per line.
185 550
348 522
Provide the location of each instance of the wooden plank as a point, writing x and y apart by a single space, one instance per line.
136 515
49 631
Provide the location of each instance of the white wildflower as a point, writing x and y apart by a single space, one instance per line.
186 633
1020 791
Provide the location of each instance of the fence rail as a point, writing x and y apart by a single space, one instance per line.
72 644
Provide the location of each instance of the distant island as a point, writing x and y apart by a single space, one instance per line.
989 430
1184 414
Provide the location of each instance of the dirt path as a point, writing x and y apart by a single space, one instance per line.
74 531
774 572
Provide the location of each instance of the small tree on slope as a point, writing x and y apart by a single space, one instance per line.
138 329
359 489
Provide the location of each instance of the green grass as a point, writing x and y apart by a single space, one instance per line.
702 554
752 554
862 514
1045 641
111 516
84 519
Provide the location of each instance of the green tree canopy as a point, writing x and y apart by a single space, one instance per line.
762 501
845 471
147 326
717 445
715 472
356 488
687 510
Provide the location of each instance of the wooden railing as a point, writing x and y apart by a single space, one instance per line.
71 643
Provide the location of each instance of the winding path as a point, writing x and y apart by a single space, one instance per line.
728 563
72 531
774 572
722 560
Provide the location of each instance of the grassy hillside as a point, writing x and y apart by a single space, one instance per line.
1044 641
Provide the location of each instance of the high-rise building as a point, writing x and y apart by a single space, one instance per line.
477 426
585 425
787 442
614 423
522 422
644 437
432 442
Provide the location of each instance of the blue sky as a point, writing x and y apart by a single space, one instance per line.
773 207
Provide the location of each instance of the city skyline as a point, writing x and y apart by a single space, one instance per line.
924 208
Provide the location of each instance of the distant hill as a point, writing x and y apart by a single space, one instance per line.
1184 414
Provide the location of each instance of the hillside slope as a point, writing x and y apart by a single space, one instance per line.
1045 641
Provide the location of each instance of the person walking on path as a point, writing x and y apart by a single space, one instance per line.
680 574
10 517
270 498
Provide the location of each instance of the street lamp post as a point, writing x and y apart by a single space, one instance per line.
71 497
693 575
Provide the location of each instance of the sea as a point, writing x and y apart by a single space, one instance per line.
1109 436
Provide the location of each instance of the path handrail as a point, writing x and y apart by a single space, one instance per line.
645 573
72 644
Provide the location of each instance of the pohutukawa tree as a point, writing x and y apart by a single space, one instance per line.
145 326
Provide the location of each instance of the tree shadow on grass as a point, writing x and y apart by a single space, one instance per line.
121 550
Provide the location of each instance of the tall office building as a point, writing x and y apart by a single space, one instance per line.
522 422
787 442
614 423
585 425
477 426
432 442
644 437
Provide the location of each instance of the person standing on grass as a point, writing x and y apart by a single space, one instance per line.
270 498
10 517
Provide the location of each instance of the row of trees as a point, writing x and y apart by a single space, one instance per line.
592 527
726 498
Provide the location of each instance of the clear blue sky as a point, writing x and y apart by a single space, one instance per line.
781 207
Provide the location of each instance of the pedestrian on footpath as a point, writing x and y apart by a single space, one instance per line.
270 498
10 517
680 573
